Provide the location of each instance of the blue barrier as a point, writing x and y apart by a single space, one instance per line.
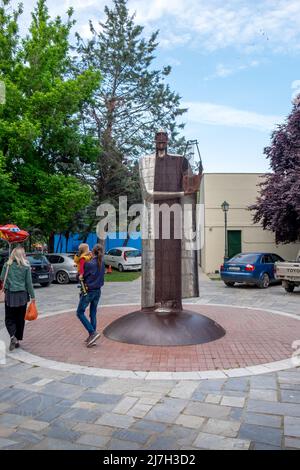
113 240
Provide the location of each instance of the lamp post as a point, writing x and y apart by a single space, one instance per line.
225 209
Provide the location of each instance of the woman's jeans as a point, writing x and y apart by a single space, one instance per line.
92 298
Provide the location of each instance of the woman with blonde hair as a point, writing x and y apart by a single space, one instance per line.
16 281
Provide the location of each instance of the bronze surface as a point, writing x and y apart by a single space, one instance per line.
149 328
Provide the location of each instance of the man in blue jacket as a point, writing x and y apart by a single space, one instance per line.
94 271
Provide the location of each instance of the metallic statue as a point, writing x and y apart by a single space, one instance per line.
169 270
169 259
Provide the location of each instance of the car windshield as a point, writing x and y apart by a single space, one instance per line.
37 259
244 258
133 253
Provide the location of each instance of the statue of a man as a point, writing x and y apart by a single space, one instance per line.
170 270
169 258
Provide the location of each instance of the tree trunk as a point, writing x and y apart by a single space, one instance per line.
59 244
51 242
67 235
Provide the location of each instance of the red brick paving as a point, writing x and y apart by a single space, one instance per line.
253 337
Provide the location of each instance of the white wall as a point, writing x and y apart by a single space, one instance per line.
240 191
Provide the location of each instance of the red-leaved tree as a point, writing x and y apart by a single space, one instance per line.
278 205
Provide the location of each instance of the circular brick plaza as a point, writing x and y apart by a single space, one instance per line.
252 337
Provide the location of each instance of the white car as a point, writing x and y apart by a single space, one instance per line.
124 258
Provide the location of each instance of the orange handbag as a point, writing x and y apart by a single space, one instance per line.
31 312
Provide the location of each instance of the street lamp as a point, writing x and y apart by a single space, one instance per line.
225 209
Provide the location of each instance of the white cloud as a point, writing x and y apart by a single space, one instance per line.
150 11
173 61
81 4
223 71
207 25
220 115
296 89
251 26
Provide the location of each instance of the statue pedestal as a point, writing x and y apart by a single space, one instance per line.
154 328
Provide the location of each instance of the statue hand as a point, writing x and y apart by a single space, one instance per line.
191 184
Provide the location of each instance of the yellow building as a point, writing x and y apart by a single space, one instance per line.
240 190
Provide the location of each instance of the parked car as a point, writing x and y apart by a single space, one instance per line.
289 274
65 269
41 270
250 268
124 258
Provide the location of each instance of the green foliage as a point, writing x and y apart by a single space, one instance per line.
53 201
7 190
44 146
70 136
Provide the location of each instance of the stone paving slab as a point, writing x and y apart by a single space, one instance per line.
262 434
213 442
43 421
200 422
292 426
261 419
93 440
292 443
223 428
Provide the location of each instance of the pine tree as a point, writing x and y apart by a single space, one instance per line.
278 206
133 102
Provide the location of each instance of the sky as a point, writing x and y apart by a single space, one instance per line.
235 63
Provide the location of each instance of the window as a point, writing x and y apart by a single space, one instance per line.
118 253
133 253
267 259
37 259
54 259
244 258
276 258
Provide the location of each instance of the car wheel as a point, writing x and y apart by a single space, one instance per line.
45 284
289 287
229 284
120 268
265 281
62 277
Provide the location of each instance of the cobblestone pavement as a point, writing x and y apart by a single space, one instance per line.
49 409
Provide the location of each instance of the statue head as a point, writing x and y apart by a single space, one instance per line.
161 141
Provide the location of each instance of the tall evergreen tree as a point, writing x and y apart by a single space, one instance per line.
133 102
278 206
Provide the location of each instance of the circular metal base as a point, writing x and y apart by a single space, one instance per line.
180 328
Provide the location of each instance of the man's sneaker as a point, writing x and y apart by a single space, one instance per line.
13 342
17 345
87 340
93 338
